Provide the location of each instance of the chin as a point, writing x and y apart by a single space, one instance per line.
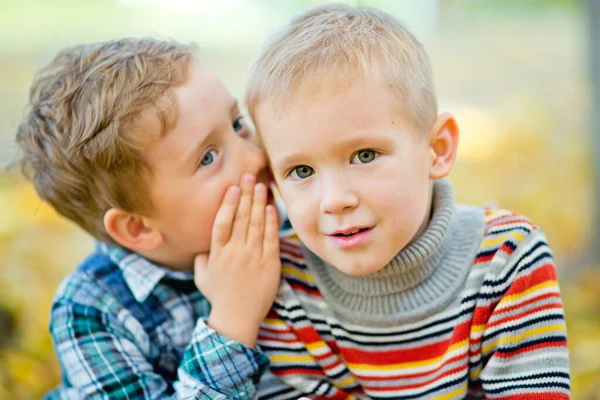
361 269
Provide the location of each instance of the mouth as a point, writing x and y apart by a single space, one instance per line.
351 237
349 232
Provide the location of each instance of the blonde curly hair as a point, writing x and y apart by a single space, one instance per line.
90 113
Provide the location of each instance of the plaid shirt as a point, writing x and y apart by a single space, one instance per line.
129 329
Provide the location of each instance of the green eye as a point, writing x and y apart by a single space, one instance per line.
303 172
364 157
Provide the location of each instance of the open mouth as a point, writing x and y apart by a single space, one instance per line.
352 237
352 233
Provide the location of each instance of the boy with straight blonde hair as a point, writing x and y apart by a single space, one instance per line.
144 148
395 291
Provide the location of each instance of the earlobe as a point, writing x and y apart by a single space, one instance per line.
131 231
443 144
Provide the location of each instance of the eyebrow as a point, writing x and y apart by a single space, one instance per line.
194 153
234 106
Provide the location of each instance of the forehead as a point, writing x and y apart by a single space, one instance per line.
326 121
202 94
203 103
355 105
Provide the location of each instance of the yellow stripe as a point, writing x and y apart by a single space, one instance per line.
276 359
478 328
514 297
272 321
524 335
346 382
453 394
316 345
474 373
407 365
518 296
285 270
490 242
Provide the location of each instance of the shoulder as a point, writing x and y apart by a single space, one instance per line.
507 233
500 220
514 248
84 291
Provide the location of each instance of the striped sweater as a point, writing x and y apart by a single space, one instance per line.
500 335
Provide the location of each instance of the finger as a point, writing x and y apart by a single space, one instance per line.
223 224
242 215
256 229
201 271
271 235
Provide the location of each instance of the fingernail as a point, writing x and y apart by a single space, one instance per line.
249 179
234 190
259 188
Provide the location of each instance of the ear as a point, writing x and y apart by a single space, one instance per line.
443 143
131 231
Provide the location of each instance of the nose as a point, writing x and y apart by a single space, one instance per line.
253 159
337 197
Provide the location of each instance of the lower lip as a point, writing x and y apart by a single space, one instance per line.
348 242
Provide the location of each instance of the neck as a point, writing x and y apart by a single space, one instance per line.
421 279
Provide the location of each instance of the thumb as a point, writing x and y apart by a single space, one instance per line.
200 269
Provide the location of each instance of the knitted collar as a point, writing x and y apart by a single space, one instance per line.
420 280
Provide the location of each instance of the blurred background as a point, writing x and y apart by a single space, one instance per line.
521 76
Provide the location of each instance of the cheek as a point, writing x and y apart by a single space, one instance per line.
194 211
398 195
300 209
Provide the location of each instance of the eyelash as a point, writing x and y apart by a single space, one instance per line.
375 152
200 165
242 131
295 169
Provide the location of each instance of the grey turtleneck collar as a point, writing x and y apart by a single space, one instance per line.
420 280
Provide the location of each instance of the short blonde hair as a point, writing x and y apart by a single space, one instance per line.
334 45
89 116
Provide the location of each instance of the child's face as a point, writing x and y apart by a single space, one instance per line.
347 163
209 149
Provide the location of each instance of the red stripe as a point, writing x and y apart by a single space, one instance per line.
419 353
535 396
415 375
528 349
483 258
424 384
291 253
291 243
510 220
528 302
527 313
506 248
542 274
299 371
301 288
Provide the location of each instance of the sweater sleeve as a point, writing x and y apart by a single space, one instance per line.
520 348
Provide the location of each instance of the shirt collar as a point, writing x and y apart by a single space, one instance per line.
140 275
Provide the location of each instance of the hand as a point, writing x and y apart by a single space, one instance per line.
240 277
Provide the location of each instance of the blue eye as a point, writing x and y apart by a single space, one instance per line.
209 157
302 172
364 157
237 124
